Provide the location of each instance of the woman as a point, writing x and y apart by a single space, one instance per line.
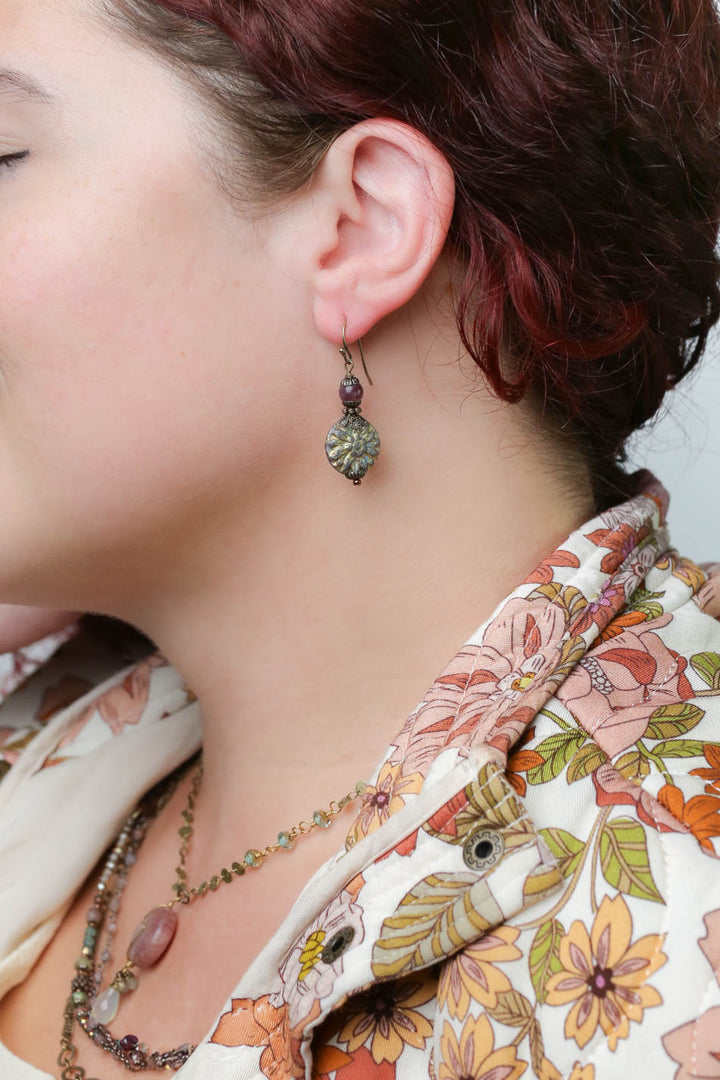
208 208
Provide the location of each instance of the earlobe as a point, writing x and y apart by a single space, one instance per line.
387 197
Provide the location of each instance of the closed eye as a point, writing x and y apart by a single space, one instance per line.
7 161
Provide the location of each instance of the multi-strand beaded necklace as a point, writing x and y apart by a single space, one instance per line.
94 1010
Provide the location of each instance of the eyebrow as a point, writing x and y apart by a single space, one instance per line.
25 85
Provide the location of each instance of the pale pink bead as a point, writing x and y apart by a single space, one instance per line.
152 938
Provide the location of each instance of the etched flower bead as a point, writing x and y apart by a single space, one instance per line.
352 446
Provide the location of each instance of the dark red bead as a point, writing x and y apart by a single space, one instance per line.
129 1043
351 391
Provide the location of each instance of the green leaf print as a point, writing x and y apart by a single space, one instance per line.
633 765
671 720
641 596
624 859
707 666
544 958
680 748
512 1009
586 761
566 848
557 750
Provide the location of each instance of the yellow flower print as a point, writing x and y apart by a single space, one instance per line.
471 975
386 797
386 1018
475 1056
311 952
605 975
582 1072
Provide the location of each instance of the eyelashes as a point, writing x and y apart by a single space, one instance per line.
8 161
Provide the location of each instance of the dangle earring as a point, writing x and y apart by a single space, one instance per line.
352 444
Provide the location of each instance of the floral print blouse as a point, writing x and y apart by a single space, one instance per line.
531 886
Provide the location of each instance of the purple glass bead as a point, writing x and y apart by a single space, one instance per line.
130 1042
94 916
351 391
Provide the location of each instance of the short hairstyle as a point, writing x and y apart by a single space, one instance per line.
584 138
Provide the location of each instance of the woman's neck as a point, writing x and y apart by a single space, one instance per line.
311 620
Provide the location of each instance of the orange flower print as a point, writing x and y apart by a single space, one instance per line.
712 775
620 543
474 1057
543 574
605 975
582 1072
522 760
383 799
701 813
386 1019
258 1023
359 1066
622 622
471 974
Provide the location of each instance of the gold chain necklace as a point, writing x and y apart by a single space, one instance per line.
92 1010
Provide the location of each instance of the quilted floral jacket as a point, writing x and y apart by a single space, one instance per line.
531 886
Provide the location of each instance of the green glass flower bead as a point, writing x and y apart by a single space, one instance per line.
352 446
79 997
253 858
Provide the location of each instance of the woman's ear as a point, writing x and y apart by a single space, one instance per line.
383 199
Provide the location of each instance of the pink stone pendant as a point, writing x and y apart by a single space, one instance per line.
153 937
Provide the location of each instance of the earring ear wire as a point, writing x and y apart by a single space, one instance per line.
345 351
352 444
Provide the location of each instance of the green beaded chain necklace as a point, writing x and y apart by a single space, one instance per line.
93 1010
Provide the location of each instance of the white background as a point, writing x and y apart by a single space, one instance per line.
682 448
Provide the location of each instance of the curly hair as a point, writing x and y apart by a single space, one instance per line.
584 138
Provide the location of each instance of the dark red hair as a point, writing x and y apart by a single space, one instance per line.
584 139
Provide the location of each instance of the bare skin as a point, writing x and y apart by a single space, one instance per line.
169 373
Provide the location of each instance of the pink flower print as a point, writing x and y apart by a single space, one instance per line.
309 972
614 689
614 789
427 730
124 704
707 597
519 654
640 508
484 685
695 1046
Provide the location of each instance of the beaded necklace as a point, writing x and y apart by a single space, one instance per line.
94 1010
